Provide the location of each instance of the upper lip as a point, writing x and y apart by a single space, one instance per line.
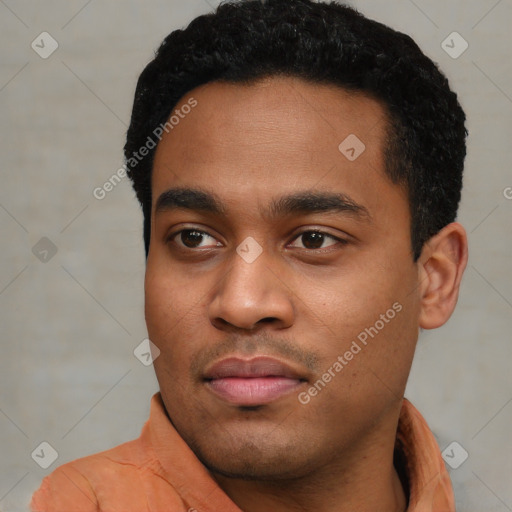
261 366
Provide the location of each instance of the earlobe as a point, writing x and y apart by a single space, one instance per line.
441 266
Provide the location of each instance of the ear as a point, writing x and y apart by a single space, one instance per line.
441 265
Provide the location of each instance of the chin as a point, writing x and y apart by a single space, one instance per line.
253 461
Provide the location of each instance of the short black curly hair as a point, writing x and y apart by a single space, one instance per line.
328 43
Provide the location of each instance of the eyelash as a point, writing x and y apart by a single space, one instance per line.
340 241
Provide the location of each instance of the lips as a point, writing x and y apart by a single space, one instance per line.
252 382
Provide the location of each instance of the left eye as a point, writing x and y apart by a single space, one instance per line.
192 238
315 239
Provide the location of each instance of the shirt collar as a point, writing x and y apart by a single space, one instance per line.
417 458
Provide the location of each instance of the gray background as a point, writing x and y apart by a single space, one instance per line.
70 324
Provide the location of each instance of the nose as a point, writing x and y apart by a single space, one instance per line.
252 294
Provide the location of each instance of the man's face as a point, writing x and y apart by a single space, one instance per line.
257 307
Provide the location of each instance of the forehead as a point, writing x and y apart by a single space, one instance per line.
277 134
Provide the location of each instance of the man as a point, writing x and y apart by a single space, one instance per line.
299 169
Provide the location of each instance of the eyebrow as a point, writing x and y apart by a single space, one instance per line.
302 202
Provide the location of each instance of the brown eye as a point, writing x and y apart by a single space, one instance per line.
191 238
316 239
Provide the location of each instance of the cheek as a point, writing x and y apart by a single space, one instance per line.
158 300
171 309
374 307
352 300
166 297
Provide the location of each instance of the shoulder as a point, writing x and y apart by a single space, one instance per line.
79 485
64 489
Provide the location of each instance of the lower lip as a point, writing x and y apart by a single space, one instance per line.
253 391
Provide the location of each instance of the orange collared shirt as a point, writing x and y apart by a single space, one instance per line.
158 472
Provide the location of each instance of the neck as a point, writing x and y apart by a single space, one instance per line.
364 480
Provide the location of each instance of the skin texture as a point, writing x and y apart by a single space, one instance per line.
301 302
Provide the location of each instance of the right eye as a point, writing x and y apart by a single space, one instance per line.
191 238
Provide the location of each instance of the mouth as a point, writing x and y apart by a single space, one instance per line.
252 382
